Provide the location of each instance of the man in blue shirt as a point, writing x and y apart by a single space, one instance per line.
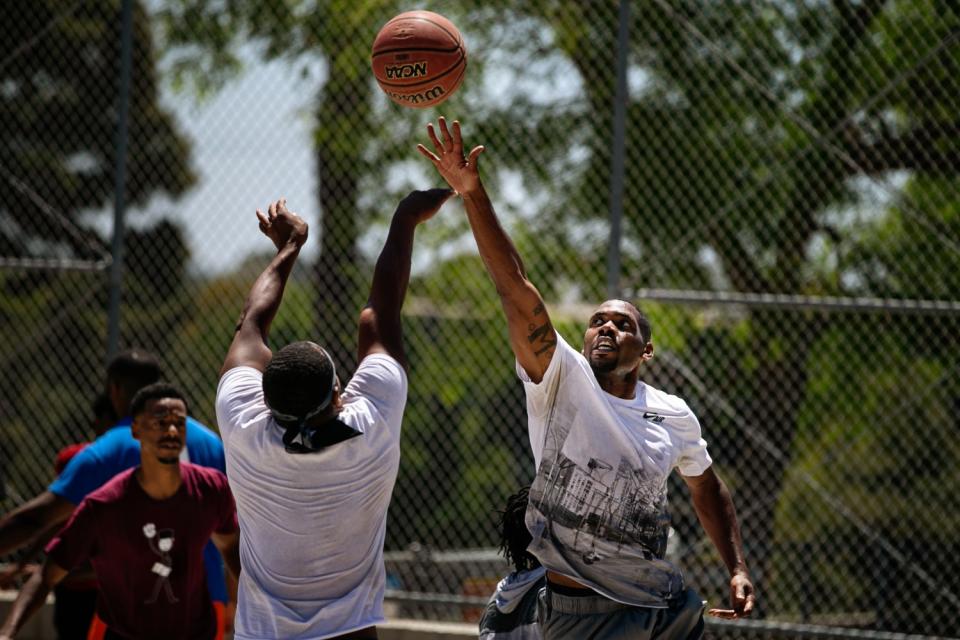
113 452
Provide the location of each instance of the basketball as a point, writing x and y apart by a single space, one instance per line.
419 59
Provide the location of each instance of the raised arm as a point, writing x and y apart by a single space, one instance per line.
532 335
31 597
380 330
288 233
714 506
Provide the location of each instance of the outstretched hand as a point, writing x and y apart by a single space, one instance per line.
742 598
460 172
423 205
282 226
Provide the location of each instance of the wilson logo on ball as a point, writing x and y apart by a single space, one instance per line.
412 70
418 98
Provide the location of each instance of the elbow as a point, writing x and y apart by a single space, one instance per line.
513 286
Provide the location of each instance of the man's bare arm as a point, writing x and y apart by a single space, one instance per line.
380 328
718 516
229 546
532 336
22 525
288 233
31 597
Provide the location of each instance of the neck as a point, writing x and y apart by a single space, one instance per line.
158 480
618 384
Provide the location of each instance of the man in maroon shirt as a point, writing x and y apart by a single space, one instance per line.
144 533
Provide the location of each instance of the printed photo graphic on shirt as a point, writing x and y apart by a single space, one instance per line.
161 543
599 503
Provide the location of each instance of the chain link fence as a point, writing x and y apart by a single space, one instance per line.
790 221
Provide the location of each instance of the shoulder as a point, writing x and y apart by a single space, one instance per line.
378 376
66 454
113 448
240 378
112 490
200 432
675 406
116 439
239 398
381 366
203 477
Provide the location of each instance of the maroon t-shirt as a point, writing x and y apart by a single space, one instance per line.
148 554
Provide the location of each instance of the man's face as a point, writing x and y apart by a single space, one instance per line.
161 429
612 342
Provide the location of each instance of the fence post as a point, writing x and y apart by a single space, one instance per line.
120 180
619 153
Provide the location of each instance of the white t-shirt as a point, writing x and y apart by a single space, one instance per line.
598 505
312 525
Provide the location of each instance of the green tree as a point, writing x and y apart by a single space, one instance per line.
57 119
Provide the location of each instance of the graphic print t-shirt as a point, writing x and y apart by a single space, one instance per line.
116 450
313 524
598 505
148 554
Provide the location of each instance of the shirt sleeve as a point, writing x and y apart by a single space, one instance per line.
83 474
76 542
239 398
540 395
693 458
382 381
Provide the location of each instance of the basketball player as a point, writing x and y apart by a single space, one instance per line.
312 463
114 451
604 443
144 532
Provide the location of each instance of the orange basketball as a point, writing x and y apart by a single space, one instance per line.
419 59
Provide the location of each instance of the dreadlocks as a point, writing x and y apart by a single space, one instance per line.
514 537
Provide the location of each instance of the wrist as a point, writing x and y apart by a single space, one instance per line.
406 217
472 193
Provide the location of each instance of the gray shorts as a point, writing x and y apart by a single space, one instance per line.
599 618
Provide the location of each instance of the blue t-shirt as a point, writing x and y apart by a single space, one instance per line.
117 450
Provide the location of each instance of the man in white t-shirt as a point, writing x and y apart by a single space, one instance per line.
604 444
312 467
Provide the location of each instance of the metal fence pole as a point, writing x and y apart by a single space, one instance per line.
120 180
619 154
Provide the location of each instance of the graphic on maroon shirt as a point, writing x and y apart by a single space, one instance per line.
148 551
161 543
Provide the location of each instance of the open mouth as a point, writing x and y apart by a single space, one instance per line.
604 346
171 444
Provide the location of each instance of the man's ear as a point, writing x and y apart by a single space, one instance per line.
648 352
135 429
337 401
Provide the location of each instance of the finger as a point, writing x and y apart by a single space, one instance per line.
433 138
727 614
739 593
749 604
447 139
264 223
457 139
474 154
282 205
430 155
272 211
